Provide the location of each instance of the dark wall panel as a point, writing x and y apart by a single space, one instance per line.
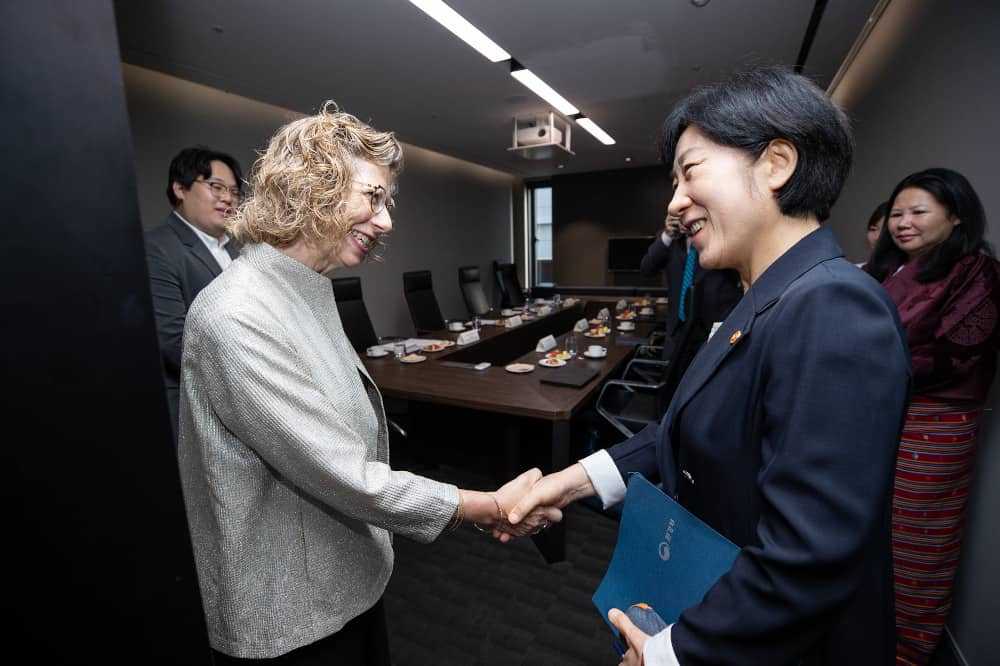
589 208
99 559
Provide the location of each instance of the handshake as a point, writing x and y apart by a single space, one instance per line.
525 506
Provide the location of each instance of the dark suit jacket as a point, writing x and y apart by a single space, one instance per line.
712 296
180 266
782 436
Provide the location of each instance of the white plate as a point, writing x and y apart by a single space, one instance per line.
551 362
377 354
591 335
661 300
413 358
601 355
519 368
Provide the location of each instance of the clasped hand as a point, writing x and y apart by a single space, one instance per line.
532 501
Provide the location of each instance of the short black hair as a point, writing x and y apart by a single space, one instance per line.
953 191
760 105
196 161
878 215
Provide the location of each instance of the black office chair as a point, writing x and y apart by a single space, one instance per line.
419 293
357 324
353 313
511 294
630 405
472 290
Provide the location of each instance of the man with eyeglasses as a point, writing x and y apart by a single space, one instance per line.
190 248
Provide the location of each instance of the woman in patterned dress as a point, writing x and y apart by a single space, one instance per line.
937 267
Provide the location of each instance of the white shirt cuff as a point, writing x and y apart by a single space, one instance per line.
659 651
605 477
665 238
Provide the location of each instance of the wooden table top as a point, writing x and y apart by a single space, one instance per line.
495 389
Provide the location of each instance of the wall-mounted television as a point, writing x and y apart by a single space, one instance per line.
626 253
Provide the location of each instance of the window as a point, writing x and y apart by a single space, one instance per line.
541 223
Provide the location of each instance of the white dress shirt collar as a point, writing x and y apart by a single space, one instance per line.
216 246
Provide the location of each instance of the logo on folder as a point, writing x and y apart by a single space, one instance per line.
668 538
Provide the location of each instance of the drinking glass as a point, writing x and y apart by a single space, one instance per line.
556 300
399 350
571 344
476 322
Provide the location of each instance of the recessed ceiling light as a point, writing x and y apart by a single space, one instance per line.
597 132
462 29
542 89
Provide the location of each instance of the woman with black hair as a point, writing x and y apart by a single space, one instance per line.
782 433
934 263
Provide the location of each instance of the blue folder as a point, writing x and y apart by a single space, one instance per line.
665 557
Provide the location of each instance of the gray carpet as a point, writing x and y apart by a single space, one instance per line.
467 599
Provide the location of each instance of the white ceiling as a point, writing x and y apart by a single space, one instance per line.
623 63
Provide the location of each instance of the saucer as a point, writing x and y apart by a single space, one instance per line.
552 362
378 353
413 358
519 368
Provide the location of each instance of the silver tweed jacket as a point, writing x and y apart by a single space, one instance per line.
283 453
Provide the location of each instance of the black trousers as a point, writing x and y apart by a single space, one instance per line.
364 641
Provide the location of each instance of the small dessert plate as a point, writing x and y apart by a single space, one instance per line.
519 368
552 362
413 358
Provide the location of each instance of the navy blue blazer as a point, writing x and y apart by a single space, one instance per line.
782 435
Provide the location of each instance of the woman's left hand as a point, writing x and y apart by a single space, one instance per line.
634 636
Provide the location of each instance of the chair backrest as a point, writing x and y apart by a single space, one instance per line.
510 287
472 290
353 313
419 293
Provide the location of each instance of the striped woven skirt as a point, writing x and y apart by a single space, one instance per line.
933 471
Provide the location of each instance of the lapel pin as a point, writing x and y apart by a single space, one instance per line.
735 337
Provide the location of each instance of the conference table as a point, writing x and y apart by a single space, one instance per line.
448 378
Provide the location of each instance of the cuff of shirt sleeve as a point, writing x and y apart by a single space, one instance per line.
659 650
665 238
605 477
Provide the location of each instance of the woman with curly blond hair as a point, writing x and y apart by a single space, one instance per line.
283 446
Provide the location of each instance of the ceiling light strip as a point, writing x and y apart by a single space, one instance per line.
543 90
595 131
474 37
462 29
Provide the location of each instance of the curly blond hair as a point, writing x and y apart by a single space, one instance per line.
299 186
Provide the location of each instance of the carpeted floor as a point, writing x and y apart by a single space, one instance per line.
469 600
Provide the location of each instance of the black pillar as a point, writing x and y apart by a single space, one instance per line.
99 565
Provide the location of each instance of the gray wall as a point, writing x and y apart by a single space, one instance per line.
450 212
936 104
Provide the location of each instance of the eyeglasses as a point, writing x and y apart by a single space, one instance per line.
219 190
378 198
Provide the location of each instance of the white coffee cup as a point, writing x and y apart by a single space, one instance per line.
456 326
626 326
595 350
506 312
